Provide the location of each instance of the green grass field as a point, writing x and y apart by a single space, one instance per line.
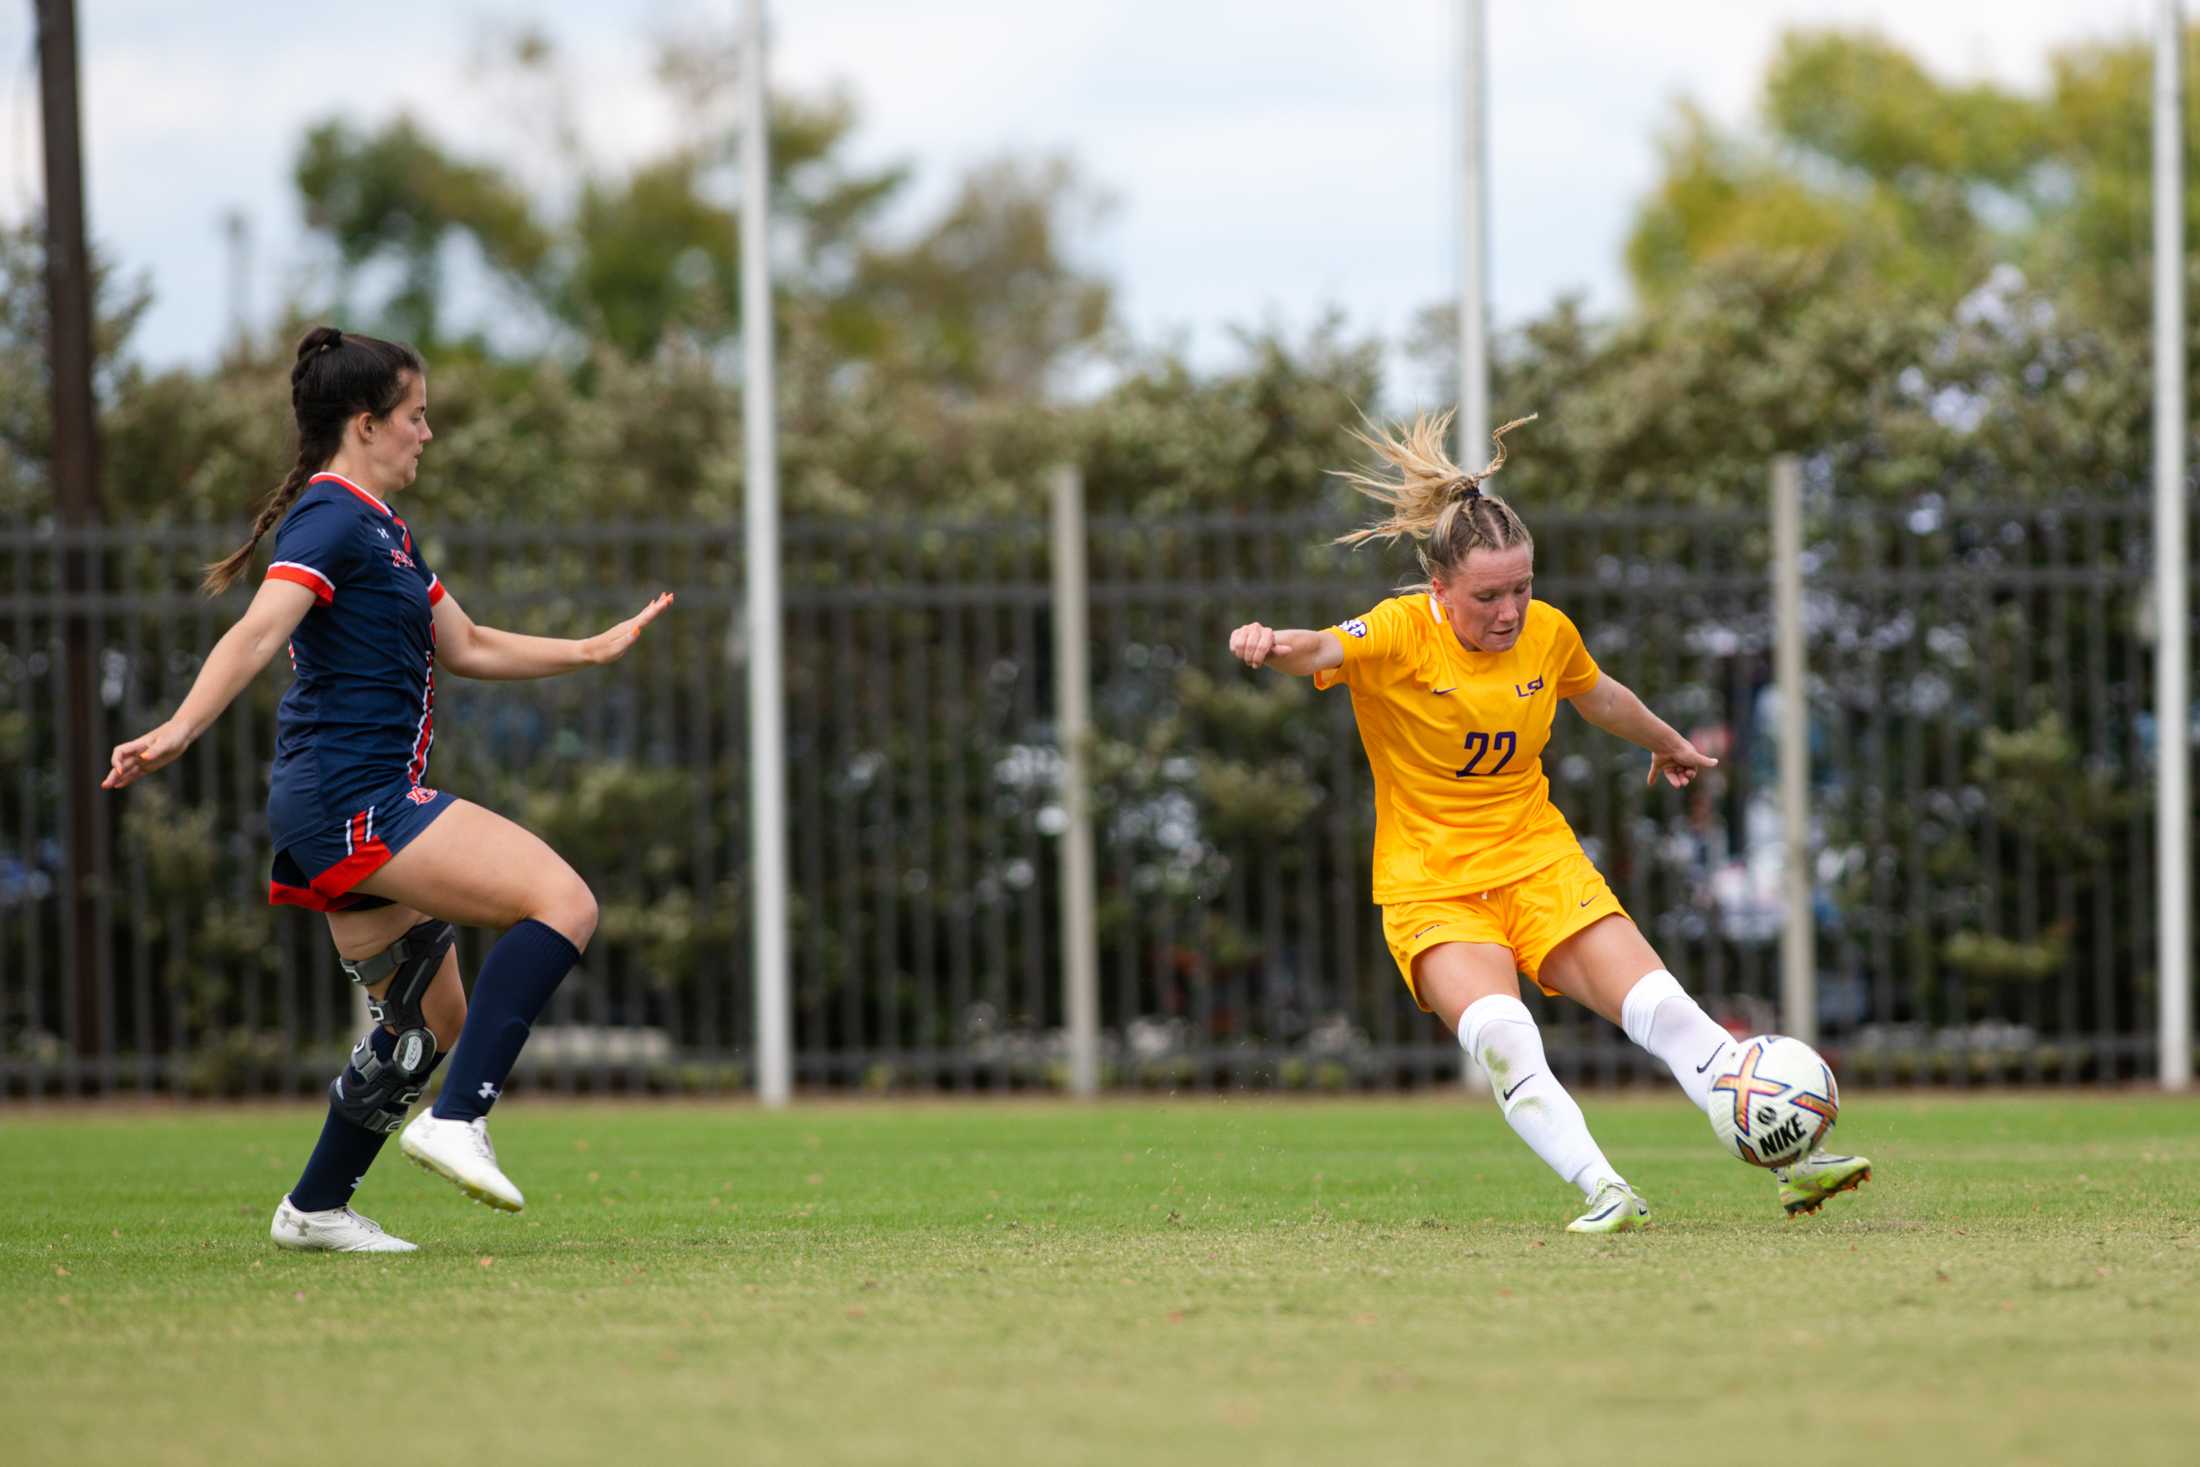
1226 1281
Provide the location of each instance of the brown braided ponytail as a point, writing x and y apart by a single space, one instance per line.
334 378
1440 506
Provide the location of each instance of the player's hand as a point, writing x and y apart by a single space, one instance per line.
1679 765
146 753
612 645
1253 644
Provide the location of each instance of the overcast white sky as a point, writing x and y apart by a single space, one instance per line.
1268 160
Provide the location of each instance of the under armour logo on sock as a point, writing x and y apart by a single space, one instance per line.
488 1091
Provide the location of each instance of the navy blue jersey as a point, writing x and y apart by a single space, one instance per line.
361 711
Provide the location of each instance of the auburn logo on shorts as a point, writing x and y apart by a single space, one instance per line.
420 794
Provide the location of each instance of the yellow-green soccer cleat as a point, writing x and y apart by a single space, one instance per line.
1614 1209
1805 1186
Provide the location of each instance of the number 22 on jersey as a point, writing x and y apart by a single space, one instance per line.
1479 746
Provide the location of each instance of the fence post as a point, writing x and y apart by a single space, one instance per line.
1798 937
1073 728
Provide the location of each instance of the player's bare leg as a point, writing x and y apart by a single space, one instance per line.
473 866
362 935
1610 968
1472 986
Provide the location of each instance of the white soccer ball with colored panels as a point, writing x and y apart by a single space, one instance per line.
1772 1100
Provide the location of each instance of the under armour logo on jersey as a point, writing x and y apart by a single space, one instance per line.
1529 690
1354 627
488 1091
385 534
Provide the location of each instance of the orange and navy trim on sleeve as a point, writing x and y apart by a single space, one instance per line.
323 589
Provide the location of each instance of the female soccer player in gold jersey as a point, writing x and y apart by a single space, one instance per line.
1454 686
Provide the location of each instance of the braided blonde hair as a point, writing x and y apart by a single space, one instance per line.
1433 501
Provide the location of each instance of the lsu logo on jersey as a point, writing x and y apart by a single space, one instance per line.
400 559
1354 627
1528 690
420 794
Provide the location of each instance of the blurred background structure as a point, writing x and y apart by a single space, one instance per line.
1929 291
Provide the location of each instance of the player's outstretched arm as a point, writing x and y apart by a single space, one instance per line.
1612 706
236 660
1300 653
469 650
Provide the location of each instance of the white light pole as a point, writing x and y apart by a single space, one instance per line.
1473 421
1798 931
760 531
1474 353
2172 650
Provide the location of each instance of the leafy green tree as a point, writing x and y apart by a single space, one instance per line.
1866 160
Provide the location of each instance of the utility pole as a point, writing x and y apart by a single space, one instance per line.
76 499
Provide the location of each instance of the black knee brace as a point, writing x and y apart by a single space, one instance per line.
376 1093
373 1092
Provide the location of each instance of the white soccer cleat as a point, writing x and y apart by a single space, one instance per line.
460 1152
1614 1209
1805 1186
336 1230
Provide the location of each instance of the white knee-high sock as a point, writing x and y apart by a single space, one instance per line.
1658 1015
1500 1033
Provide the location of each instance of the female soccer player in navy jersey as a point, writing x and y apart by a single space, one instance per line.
357 835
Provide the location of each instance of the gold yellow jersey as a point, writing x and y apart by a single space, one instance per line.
1456 740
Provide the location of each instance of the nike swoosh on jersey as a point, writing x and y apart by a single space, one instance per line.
1439 692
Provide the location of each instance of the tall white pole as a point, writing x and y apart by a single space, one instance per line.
760 531
2173 706
1798 933
1474 354
1473 420
1073 723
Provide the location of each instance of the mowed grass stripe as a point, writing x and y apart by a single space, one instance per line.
1239 1279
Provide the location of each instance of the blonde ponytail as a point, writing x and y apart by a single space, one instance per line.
1432 501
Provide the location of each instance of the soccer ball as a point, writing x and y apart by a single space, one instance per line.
1772 1101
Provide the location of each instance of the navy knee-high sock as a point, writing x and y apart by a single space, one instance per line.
341 1157
517 979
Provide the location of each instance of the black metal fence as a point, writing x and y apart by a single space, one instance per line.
1981 756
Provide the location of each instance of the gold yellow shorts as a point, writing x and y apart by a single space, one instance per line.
1530 916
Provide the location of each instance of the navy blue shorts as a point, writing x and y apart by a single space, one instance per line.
319 870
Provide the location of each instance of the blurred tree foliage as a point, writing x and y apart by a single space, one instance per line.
1929 286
